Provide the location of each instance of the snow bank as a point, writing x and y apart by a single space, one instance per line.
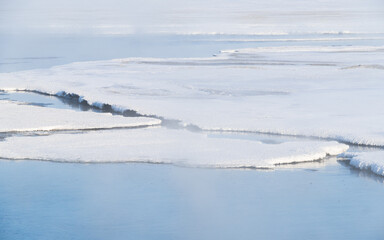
371 161
159 145
18 118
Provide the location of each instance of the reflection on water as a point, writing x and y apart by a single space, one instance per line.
362 173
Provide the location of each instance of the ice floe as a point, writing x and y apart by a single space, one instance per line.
292 90
160 145
20 118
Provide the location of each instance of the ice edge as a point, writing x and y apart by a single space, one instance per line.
115 109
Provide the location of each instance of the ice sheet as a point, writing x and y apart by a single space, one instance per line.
371 161
18 118
327 92
159 145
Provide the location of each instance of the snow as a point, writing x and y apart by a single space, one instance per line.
160 145
19 118
371 161
327 92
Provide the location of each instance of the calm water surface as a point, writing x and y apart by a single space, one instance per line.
43 200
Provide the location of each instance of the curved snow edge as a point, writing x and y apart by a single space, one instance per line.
370 161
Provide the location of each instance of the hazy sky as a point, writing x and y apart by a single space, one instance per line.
241 16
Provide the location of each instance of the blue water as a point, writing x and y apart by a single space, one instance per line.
42 200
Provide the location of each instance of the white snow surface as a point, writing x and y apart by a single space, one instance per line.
371 161
159 145
19 118
327 92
